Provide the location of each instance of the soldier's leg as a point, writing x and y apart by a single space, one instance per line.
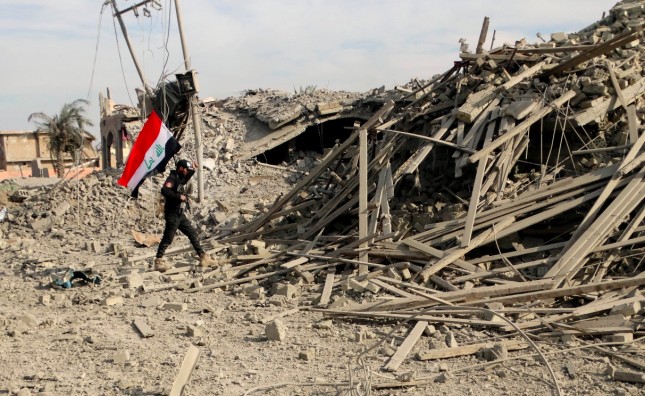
187 228
172 224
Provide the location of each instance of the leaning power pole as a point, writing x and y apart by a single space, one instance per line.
189 77
197 120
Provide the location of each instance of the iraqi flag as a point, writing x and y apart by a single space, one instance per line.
152 150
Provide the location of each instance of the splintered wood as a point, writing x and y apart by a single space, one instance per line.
515 181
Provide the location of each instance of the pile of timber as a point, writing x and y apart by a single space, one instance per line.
514 181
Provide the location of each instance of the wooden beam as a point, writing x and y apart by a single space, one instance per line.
327 289
465 350
477 185
482 36
523 126
476 242
186 370
599 49
407 345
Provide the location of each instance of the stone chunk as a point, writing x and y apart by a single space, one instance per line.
152 301
45 299
41 225
451 342
276 330
113 300
195 331
307 355
629 309
61 209
559 37
288 291
177 307
122 357
623 337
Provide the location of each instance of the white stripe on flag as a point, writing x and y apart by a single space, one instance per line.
155 154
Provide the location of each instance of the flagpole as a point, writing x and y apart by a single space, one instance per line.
193 109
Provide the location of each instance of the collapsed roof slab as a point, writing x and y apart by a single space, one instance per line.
266 139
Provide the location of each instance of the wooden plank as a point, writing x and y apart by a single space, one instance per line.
523 126
186 370
482 36
592 309
327 289
294 262
477 185
407 345
363 164
415 160
576 255
599 49
630 94
568 291
143 328
465 350
476 294
477 241
391 289
439 254
630 110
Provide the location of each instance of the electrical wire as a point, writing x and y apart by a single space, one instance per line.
96 50
118 48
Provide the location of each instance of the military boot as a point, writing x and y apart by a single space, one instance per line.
206 261
161 265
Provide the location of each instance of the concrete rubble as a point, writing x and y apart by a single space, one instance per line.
501 209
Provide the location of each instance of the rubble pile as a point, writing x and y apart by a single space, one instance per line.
513 181
500 201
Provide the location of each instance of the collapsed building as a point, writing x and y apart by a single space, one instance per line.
505 194
515 177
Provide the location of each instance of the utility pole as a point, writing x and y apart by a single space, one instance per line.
117 14
197 127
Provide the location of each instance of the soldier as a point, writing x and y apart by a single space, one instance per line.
176 202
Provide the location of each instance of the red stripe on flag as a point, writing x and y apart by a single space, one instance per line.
148 135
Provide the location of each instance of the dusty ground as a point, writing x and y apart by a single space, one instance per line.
67 342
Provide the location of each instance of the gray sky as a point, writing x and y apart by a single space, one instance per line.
48 47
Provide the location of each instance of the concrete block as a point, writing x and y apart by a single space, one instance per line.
358 286
42 225
113 300
630 309
289 291
451 342
622 337
61 209
559 37
195 331
372 287
429 330
122 357
276 330
152 301
394 274
45 299
132 281
308 355
177 307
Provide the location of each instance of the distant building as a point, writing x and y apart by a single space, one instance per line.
119 126
25 153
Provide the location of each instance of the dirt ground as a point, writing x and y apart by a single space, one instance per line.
69 342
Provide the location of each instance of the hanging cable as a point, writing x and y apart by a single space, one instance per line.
96 50
118 48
